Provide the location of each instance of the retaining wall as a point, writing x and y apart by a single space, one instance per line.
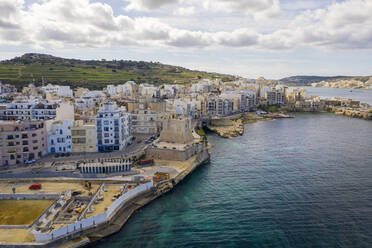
94 220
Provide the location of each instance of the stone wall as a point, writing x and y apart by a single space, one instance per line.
173 154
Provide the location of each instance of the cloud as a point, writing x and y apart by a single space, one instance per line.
146 5
184 11
59 23
258 8
9 13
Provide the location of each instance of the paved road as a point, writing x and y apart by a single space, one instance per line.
131 149
47 161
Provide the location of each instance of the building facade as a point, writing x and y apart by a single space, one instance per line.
21 142
113 128
59 136
84 137
29 110
146 122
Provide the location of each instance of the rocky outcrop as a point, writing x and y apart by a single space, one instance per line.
366 115
227 128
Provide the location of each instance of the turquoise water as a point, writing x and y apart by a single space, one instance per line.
302 182
364 96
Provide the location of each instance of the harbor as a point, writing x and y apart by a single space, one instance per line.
76 212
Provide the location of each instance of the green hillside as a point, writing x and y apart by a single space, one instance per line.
93 74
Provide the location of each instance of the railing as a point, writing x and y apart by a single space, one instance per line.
91 222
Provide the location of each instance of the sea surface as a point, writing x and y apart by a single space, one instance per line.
364 96
302 182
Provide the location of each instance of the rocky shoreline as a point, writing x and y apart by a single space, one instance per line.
351 113
234 127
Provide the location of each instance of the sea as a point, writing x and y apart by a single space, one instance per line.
301 182
364 96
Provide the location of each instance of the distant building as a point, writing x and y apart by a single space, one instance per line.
113 128
35 110
21 141
62 91
275 97
29 110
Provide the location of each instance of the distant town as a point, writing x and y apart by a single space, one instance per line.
123 146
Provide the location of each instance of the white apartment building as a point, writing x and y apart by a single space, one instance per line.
59 136
127 89
84 103
149 91
62 91
111 90
113 128
34 109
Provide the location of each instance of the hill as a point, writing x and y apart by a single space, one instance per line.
307 80
93 74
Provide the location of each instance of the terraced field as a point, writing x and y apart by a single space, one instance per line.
92 74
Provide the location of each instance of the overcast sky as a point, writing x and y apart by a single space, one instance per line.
251 38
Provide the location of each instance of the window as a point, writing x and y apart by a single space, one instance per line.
25 149
106 122
60 131
34 141
10 137
24 136
107 141
34 135
35 147
106 129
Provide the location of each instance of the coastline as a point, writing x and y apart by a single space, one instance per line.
120 219
234 127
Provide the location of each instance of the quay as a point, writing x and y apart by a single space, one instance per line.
78 211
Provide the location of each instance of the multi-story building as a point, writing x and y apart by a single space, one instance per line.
59 136
21 141
113 128
146 122
62 91
29 110
84 137
7 88
35 110
275 97
149 91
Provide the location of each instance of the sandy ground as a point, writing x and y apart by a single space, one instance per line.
107 199
46 187
16 236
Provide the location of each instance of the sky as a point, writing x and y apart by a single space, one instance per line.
249 38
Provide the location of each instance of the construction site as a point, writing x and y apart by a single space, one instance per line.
73 212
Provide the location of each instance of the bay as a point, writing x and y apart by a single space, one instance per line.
302 182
